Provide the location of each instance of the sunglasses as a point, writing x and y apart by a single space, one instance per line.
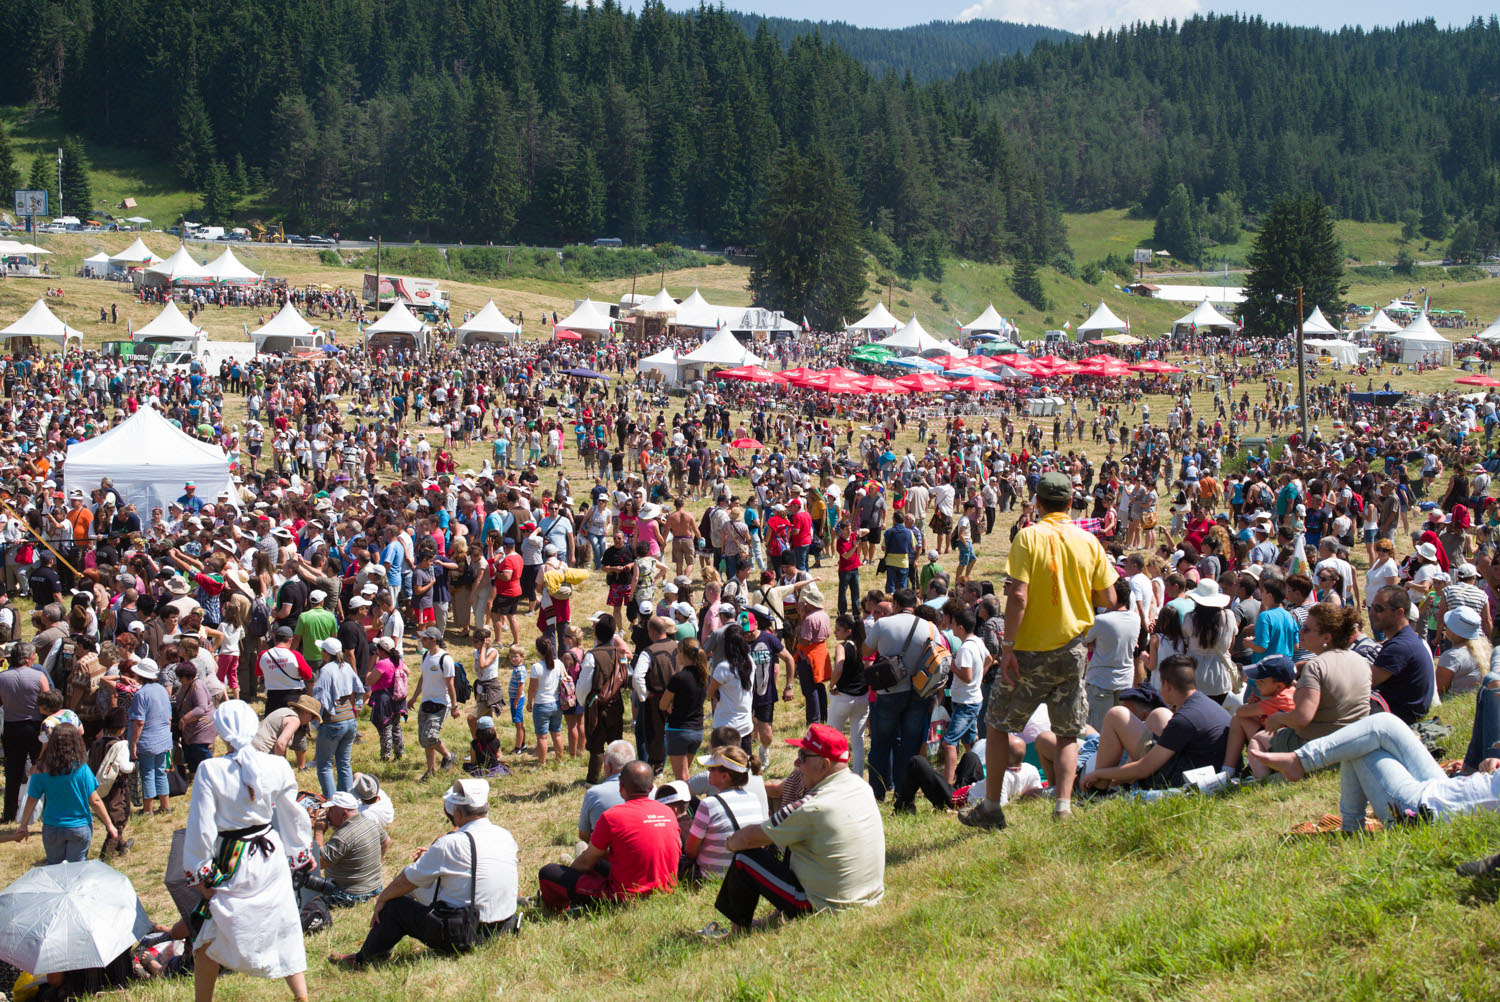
1377 607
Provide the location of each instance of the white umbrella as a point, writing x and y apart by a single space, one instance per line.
69 917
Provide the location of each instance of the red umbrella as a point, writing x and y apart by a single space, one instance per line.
798 377
745 443
924 382
1050 361
973 383
563 334
1111 369
1065 369
839 370
1162 367
751 374
879 384
989 362
834 381
951 361
1478 381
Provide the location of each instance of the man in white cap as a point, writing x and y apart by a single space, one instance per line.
352 844
315 625
475 864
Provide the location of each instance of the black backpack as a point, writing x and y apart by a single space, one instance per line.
461 687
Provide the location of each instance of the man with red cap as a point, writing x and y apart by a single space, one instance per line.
834 833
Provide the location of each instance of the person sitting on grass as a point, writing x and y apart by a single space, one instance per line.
835 834
475 863
1022 780
633 851
1271 680
1383 764
1194 736
484 745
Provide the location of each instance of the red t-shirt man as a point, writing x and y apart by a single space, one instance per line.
643 842
802 526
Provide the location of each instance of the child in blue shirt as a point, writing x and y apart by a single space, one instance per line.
517 693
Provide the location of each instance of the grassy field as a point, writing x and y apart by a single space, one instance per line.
1188 898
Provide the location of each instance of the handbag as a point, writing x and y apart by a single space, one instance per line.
456 926
886 671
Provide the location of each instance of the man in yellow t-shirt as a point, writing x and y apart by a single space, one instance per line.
1058 573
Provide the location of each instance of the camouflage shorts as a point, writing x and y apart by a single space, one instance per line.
1053 677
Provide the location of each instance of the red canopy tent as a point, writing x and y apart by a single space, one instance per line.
563 334
1162 367
924 382
834 381
879 384
798 377
751 374
973 384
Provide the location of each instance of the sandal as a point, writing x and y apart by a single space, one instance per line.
715 931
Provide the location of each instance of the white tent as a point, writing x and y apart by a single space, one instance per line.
489 324
1103 319
1419 342
398 325
1490 333
1316 324
41 323
695 311
1382 324
588 317
1204 318
228 269
660 304
286 331
149 459
136 253
1344 352
988 322
914 338
877 320
169 325
180 267
664 362
98 264
722 349
694 299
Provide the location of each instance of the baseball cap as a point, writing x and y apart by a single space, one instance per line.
285 633
675 792
485 723
1054 487
317 596
342 799
358 602
468 794
824 742
1277 667
432 633
331 646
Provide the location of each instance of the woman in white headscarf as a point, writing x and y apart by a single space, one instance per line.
245 832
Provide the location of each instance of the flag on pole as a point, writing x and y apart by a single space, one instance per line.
1067 325
806 327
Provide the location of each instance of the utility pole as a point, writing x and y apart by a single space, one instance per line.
59 184
1301 372
377 273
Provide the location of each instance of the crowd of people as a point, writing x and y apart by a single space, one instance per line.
409 542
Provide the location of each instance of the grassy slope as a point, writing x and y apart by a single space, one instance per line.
1186 899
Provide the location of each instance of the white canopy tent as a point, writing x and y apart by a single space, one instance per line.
1316 324
180 267
695 311
286 331
663 362
168 326
488 325
149 459
1343 352
588 317
137 253
226 268
1204 318
1102 320
40 323
1382 324
878 320
1419 342
399 324
914 338
723 349
660 304
1490 333
98 264
988 322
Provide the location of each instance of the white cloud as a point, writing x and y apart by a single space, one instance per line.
1081 15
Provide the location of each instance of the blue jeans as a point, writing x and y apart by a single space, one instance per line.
849 580
799 557
546 718
66 845
335 742
898 728
1381 763
896 577
731 566
1485 741
596 543
153 769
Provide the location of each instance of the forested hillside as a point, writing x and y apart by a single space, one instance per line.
1379 123
933 51
538 121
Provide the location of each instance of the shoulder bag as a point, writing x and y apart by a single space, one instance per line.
456 926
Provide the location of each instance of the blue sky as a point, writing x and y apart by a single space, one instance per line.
1085 15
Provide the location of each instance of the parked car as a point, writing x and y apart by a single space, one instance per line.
293 238
318 238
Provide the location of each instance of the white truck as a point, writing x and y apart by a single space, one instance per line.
180 356
422 296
